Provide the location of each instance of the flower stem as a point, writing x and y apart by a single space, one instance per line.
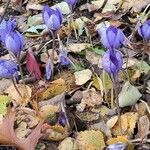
53 50
21 73
116 89
16 88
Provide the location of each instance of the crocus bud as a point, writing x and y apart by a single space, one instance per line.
71 3
112 37
5 28
52 18
63 58
48 69
7 68
14 42
144 30
62 119
112 62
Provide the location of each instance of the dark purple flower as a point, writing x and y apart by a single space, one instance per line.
62 119
111 37
52 18
71 3
5 28
14 42
112 62
144 30
7 68
48 69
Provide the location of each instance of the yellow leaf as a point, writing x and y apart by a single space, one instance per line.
90 140
56 87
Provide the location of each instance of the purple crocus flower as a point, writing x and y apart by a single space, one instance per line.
5 28
71 3
63 58
52 18
7 68
48 69
112 62
14 42
111 37
144 30
62 119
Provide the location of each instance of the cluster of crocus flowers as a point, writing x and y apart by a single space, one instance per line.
112 39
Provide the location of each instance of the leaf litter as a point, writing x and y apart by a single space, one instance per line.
76 109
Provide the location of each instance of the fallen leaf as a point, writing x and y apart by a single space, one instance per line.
112 121
54 88
128 123
21 131
56 133
88 116
4 84
13 94
3 104
129 95
48 111
143 127
90 140
78 47
81 77
8 136
68 144
91 98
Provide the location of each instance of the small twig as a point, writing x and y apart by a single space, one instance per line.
5 10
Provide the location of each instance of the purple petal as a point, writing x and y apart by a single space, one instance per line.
53 23
48 70
14 42
7 68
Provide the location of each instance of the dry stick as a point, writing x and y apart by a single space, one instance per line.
5 10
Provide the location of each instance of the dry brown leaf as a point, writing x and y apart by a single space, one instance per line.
136 5
4 84
12 92
78 47
141 109
48 111
22 130
56 133
44 57
90 140
88 116
92 57
54 88
102 127
81 77
91 98
143 126
68 144
112 121
128 122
